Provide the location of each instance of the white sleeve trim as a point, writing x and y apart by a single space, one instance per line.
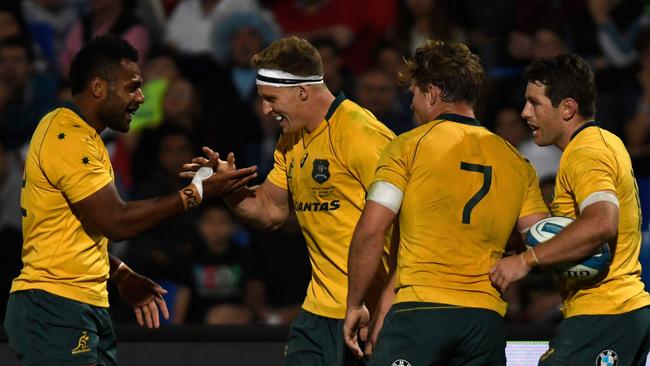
386 194
599 196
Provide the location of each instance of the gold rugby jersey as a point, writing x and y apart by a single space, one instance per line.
464 189
596 160
66 162
328 173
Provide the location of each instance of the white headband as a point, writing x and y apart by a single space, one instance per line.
281 79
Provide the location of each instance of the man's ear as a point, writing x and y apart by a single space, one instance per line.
98 87
432 93
568 108
303 93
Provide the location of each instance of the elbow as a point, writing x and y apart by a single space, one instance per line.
116 235
118 232
605 231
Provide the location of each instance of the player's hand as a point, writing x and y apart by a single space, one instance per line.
145 296
225 178
355 327
506 271
373 332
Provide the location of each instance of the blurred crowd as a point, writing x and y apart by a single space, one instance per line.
200 91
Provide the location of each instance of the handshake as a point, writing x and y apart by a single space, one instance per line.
213 177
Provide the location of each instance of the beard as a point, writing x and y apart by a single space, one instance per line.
114 114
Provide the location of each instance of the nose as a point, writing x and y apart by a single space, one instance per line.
139 96
526 112
266 107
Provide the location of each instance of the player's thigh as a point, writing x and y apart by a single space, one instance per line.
598 339
415 334
482 339
642 353
45 329
317 340
304 343
107 346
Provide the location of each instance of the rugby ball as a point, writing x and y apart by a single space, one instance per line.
587 268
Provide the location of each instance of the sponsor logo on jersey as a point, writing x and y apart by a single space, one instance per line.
321 172
317 206
82 344
400 362
607 358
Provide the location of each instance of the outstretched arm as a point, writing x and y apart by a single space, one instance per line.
105 212
265 207
144 295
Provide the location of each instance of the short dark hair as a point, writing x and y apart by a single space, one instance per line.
291 54
565 76
450 66
99 57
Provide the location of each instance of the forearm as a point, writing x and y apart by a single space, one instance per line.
135 217
364 258
114 264
255 207
118 269
576 241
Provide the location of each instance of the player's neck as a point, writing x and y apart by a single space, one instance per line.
323 99
571 127
88 111
462 109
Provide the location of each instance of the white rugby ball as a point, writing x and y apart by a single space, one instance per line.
587 268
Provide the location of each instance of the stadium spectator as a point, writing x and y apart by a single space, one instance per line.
637 128
280 273
105 16
214 291
338 78
510 126
608 318
29 94
10 186
190 25
377 91
356 27
234 43
49 22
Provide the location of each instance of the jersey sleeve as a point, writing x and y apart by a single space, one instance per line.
589 171
278 175
73 162
533 202
393 165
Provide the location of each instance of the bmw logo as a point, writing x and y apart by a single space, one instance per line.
400 362
607 358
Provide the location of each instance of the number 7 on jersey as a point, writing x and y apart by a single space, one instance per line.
486 170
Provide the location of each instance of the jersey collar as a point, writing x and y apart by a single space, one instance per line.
335 104
581 128
460 119
73 107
